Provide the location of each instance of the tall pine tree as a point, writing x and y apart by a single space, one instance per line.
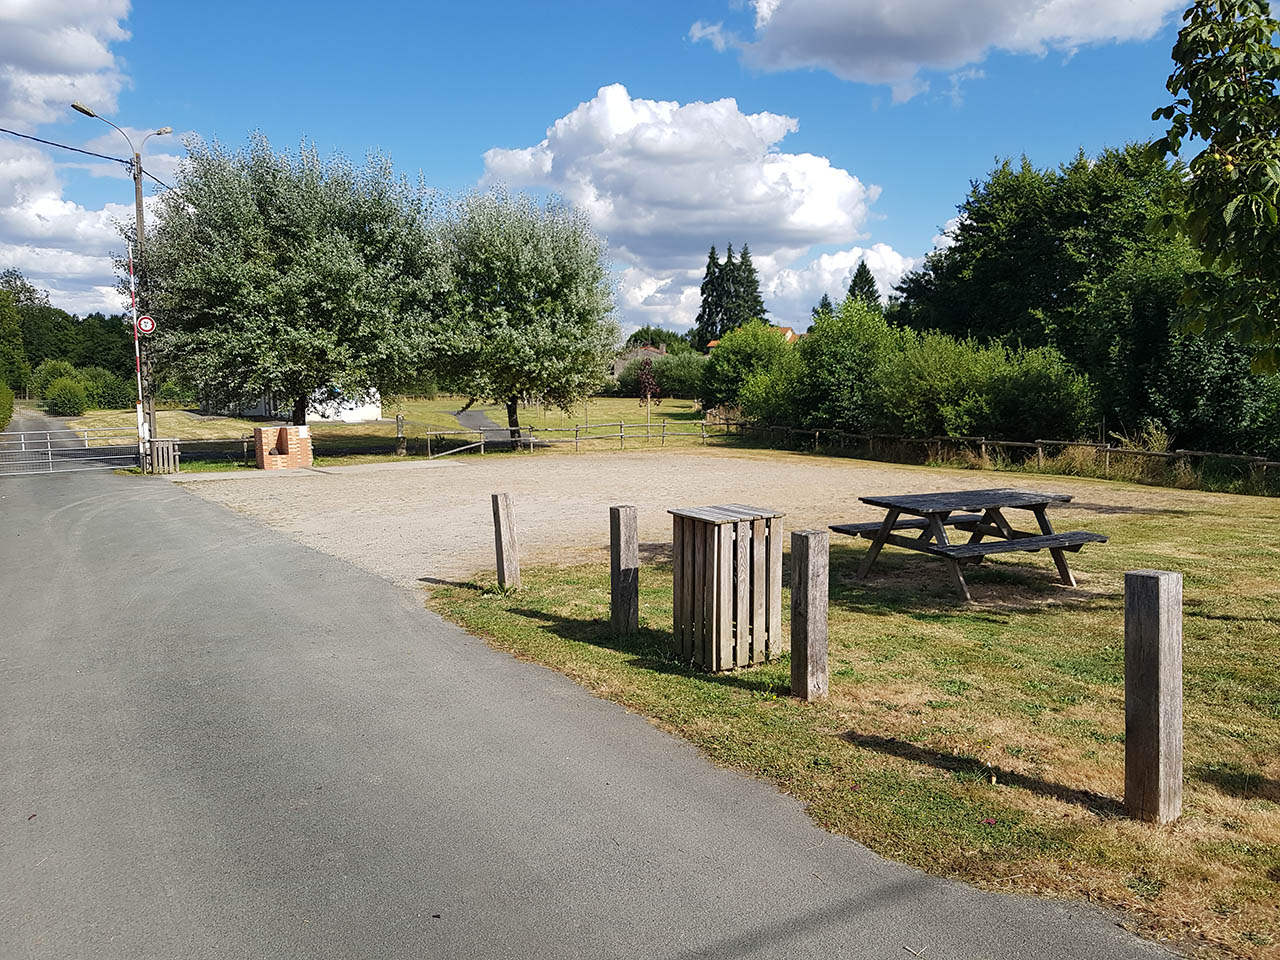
707 326
825 306
747 304
863 286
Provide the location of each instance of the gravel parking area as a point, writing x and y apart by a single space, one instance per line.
419 521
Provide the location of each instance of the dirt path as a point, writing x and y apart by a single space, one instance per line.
412 522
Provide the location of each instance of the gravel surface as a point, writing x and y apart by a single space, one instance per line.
417 521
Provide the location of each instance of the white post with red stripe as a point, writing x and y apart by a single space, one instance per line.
144 433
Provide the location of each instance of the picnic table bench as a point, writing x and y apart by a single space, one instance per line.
980 513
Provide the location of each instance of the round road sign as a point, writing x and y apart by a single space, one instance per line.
146 325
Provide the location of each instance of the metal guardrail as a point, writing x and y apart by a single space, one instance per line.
37 452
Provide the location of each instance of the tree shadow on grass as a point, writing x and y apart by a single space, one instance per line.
1234 780
1096 803
649 649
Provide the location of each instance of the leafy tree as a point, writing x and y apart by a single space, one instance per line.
1226 72
839 357
48 371
290 274
750 349
680 374
648 336
529 313
6 405
15 371
862 286
824 308
48 333
105 342
24 293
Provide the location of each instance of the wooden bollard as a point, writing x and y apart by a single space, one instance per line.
624 571
1153 695
809 557
504 537
401 441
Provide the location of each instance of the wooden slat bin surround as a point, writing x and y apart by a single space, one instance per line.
727 579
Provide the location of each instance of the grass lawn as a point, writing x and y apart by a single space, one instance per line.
987 742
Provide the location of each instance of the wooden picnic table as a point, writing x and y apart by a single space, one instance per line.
980 513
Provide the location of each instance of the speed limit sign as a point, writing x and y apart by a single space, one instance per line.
146 325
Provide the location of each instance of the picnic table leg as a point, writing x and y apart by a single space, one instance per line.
953 565
886 528
1059 555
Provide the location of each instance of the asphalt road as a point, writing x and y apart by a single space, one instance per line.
217 743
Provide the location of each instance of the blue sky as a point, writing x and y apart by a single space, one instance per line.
854 129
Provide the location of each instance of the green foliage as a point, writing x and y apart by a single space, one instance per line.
106 390
530 309
173 392
823 307
66 397
730 297
6 405
47 372
675 375
841 356
15 371
753 348
46 333
862 286
648 336
1225 78
289 274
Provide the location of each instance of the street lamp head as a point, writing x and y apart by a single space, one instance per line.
81 108
164 130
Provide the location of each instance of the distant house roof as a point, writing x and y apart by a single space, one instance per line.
637 353
788 334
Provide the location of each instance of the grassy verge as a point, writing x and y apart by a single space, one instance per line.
987 742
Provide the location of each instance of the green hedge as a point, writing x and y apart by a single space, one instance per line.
6 404
65 397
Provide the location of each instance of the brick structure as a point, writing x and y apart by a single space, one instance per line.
282 448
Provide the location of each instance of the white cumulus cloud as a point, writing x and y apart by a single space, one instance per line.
893 41
664 180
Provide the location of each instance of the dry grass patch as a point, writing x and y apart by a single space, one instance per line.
987 741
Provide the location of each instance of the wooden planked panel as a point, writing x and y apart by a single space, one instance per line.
759 584
773 612
698 593
742 594
723 636
688 592
710 536
677 587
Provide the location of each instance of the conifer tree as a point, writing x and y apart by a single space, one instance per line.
824 308
747 304
863 286
707 326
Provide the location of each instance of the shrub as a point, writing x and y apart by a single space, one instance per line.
680 374
839 358
6 404
49 371
176 393
65 397
751 349
105 390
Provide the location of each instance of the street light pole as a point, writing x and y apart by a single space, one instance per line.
149 401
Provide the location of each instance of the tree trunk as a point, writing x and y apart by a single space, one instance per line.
300 411
513 419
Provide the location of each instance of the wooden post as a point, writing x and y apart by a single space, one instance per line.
664 432
481 432
809 558
619 434
704 431
1039 455
1153 695
624 571
576 444
428 446
401 443
504 537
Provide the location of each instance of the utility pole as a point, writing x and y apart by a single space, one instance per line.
147 381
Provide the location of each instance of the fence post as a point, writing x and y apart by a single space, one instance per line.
481 443
664 432
48 442
504 538
624 571
1153 695
1039 454
809 559
704 431
620 435
1106 461
400 440
577 447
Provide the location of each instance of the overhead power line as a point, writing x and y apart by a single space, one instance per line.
90 153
